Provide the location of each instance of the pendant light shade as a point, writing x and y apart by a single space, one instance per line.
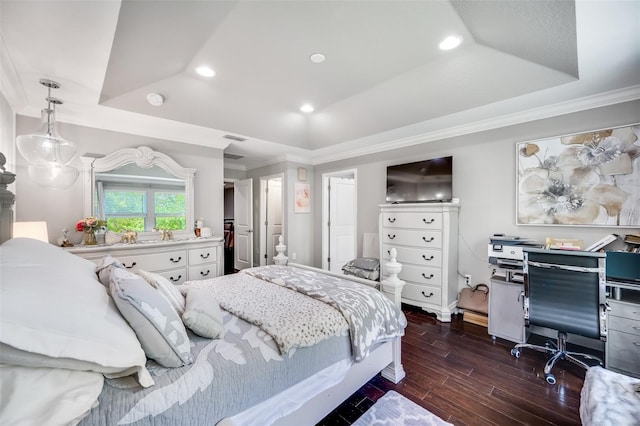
53 176
46 146
47 151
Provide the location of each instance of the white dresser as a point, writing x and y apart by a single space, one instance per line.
426 238
178 260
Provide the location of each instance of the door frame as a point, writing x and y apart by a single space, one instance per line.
350 173
263 213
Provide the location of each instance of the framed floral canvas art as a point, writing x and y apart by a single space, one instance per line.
585 179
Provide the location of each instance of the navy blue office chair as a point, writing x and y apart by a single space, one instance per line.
564 291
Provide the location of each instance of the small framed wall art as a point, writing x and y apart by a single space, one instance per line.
302 198
584 179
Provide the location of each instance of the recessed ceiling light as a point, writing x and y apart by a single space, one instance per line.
306 108
317 58
205 71
450 42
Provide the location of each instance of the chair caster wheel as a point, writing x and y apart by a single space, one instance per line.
515 352
550 378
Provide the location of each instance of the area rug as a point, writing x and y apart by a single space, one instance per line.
394 409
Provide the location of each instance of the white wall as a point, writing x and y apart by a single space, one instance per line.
484 180
7 135
298 235
62 208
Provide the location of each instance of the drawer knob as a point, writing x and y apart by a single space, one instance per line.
205 257
429 240
427 295
175 280
428 221
391 237
175 261
130 266
427 258
204 274
391 220
427 277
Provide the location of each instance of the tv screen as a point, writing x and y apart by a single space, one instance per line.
420 182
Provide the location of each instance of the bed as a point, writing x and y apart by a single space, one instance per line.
97 357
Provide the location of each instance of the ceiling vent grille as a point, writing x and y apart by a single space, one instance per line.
233 156
235 138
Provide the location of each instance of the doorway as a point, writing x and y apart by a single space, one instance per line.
229 216
339 216
271 216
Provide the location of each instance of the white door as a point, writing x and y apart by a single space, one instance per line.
243 230
342 247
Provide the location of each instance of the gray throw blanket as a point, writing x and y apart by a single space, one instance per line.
372 317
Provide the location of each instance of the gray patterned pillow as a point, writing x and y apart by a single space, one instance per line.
103 269
157 325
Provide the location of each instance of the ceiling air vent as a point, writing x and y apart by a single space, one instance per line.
233 156
235 138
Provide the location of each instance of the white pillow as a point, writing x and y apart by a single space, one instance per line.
46 396
202 314
169 290
53 305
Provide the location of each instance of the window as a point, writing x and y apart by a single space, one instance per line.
143 209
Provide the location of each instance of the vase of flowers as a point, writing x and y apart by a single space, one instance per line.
89 226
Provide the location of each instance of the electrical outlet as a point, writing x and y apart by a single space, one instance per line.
293 256
467 279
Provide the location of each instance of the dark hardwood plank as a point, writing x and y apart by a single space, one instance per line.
456 371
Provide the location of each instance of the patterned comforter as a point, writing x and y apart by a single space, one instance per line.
372 317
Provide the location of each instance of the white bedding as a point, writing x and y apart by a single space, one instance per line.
63 396
609 399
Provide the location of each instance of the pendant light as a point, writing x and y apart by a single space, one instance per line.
47 151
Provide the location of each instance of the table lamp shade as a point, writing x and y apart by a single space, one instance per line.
35 230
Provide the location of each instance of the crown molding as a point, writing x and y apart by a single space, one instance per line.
338 152
10 83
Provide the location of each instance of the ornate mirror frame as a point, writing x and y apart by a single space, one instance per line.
144 157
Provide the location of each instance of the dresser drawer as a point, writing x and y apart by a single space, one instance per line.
154 261
624 310
412 220
429 239
422 293
623 351
198 256
417 256
176 276
625 325
421 275
202 272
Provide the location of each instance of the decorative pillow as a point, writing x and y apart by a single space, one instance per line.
103 269
54 308
155 322
169 290
202 314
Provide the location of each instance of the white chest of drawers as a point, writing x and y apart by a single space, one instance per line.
178 261
426 239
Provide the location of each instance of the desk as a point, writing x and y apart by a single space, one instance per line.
622 349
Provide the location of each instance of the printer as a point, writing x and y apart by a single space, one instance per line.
507 252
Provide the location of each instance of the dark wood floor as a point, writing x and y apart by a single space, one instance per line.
456 371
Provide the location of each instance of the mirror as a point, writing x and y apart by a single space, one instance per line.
139 189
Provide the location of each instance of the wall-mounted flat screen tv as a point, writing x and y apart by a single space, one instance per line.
420 182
